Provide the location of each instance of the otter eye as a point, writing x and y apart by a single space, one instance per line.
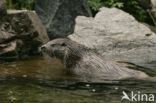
63 44
52 45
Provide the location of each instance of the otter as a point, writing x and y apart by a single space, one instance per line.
88 65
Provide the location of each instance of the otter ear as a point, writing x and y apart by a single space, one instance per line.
63 44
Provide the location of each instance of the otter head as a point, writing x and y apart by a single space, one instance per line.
55 48
69 52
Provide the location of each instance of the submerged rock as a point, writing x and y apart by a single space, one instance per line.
21 33
58 16
118 36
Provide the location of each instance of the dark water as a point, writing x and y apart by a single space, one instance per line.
43 81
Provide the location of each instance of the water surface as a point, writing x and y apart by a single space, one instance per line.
43 81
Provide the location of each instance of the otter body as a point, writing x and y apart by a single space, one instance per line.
88 65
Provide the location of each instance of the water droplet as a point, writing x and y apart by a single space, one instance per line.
93 90
116 88
24 76
87 85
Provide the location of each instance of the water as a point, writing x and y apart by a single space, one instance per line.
43 81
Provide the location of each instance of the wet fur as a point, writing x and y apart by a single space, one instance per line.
88 65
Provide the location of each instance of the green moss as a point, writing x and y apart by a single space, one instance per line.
131 6
20 4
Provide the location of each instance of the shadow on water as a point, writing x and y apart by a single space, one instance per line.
42 81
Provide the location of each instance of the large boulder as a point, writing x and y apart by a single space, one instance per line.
21 33
58 16
117 36
153 2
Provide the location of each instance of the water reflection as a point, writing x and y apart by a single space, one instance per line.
35 68
43 81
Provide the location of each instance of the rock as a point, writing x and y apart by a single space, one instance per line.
117 36
21 33
153 2
58 16
8 51
27 23
4 36
153 28
2 8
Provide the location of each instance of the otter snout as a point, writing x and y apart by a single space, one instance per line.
43 48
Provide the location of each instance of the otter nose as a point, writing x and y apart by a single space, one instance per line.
43 47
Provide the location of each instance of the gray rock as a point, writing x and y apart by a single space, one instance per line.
8 51
21 33
2 7
153 28
153 3
27 23
117 36
58 16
